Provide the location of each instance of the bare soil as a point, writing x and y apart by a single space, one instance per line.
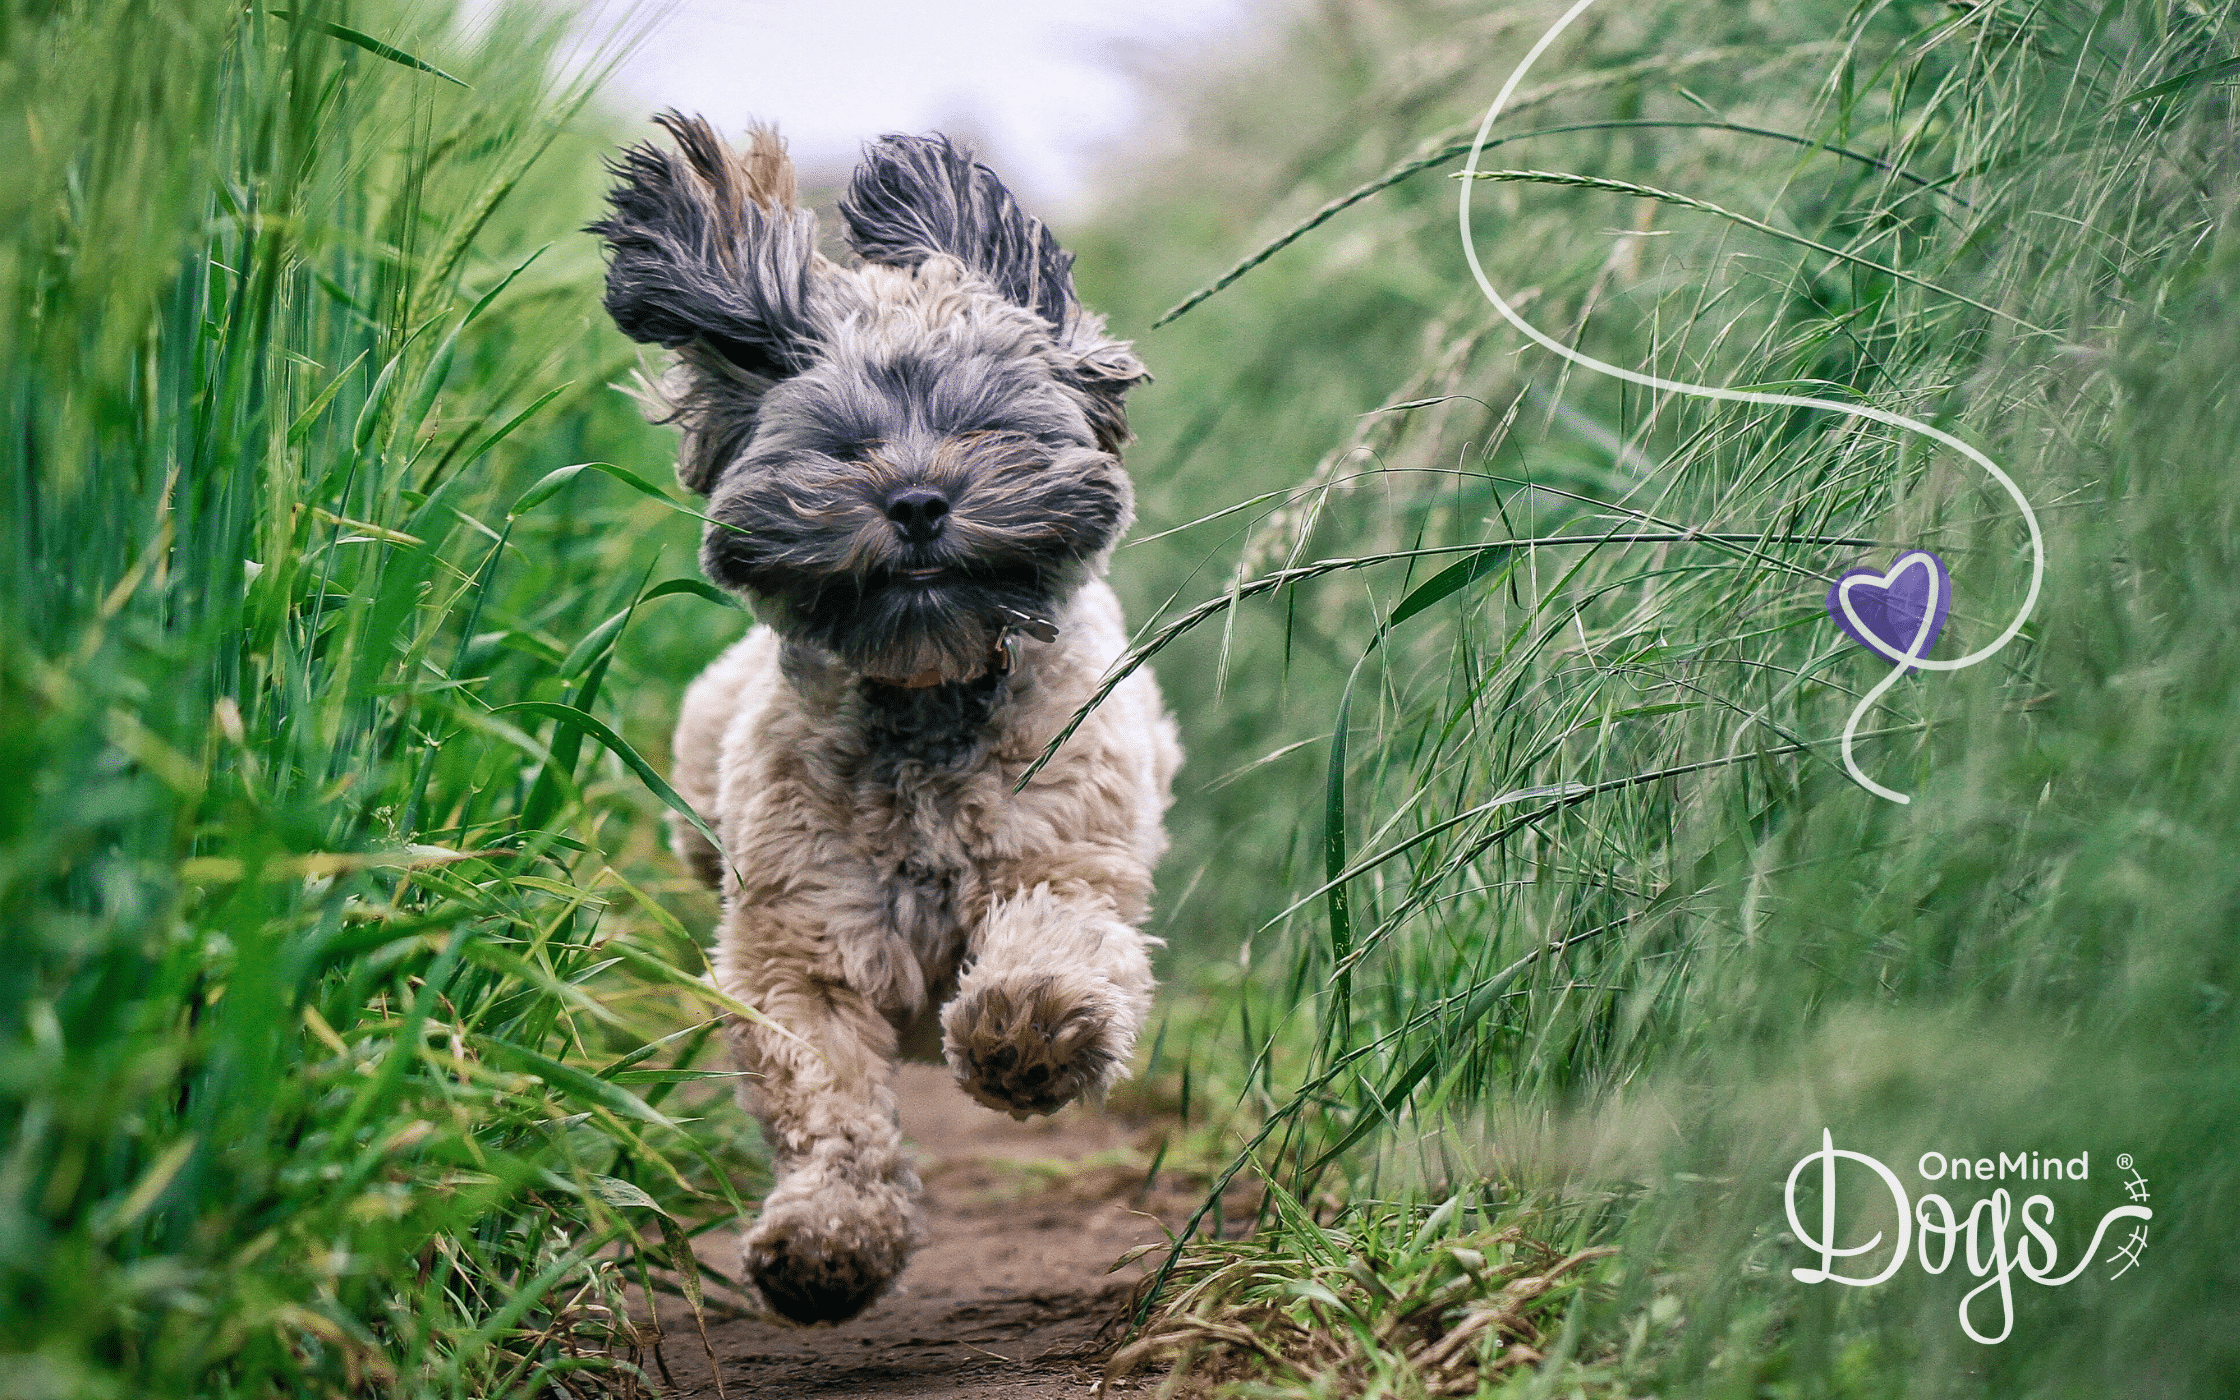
1007 1298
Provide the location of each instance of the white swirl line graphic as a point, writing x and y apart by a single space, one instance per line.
1904 659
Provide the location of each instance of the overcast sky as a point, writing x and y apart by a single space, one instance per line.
1040 85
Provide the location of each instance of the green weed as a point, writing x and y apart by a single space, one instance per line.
1382 1300
1582 900
339 1020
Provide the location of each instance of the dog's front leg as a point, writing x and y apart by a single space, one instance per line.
1058 986
842 1218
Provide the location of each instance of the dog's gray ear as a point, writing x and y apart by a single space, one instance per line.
916 196
710 255
709 245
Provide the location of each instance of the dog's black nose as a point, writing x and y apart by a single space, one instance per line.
919 512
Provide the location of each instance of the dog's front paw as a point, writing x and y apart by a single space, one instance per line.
1033 1043
824 1255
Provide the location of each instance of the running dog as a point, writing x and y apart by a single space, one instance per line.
912 471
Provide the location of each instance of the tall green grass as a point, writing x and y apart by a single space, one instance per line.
1582 899
342 1017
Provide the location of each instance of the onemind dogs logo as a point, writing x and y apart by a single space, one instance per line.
1986 1240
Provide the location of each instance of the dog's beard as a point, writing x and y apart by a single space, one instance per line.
895 627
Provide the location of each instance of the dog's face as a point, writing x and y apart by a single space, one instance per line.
904 458
929 480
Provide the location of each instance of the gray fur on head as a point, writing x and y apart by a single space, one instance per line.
955 361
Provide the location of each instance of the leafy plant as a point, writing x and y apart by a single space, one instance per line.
340 1017
1581 899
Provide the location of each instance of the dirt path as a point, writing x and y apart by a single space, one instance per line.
1005 1299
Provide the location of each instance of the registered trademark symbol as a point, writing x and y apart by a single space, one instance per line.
2123 1160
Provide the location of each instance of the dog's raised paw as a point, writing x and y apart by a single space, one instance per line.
1034 1043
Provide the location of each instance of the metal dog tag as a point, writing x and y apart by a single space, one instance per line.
1041 629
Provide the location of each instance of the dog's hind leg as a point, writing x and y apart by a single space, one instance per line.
842 1218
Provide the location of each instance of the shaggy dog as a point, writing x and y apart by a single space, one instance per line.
912 469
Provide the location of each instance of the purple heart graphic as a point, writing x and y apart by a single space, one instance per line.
1891 606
